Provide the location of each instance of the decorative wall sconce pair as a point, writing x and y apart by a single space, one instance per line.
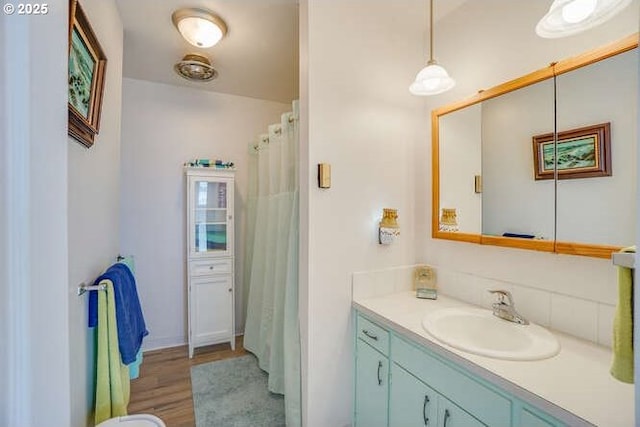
389 230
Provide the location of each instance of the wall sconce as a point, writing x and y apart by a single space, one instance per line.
448 220
199 27
389 229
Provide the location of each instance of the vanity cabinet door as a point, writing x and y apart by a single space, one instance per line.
372 387
412 403
450 415
529 418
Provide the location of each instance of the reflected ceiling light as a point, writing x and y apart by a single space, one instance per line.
199 27
567 17
432 79
196 68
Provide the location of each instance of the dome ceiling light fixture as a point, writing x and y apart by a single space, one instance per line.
195 67
432 79
199 27
568 17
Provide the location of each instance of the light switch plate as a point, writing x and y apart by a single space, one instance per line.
477 184
324 175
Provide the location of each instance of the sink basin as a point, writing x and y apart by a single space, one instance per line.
478 331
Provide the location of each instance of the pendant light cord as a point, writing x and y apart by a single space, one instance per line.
430 32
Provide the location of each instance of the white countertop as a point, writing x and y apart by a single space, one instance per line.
576 380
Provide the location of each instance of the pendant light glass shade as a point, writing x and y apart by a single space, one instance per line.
432 79
568 17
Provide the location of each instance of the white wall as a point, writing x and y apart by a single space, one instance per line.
94 207
360 58
164 126
36 366
481 45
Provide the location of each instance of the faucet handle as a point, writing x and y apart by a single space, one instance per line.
502 293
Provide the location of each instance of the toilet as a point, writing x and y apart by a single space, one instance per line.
137 420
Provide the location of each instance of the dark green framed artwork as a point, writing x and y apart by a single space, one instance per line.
87 64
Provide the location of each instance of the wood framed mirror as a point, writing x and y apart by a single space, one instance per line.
484 165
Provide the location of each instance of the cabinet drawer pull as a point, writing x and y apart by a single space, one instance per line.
379 377
447 415
370 335
211 267
424 410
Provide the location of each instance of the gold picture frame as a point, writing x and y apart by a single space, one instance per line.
87 65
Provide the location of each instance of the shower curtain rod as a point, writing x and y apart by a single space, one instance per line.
277 131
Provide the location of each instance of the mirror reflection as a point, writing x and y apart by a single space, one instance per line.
546 161
600 209
460 162
513 203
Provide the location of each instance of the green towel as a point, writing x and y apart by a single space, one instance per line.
622 366
112 377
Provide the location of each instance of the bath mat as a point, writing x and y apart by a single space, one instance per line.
233 393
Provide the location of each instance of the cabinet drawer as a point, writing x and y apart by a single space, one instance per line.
210 266
485 404
373 335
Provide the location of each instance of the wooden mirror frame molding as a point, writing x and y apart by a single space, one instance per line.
554 69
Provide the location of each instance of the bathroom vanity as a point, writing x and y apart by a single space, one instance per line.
404 377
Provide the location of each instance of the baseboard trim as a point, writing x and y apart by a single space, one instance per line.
160 343
169 342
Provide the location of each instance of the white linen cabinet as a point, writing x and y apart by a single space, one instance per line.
210 261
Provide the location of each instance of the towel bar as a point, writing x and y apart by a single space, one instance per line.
83 287
624 259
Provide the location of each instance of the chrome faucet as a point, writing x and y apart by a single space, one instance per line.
506 309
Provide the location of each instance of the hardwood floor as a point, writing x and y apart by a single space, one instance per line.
164 385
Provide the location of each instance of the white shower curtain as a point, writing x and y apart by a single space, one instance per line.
271 276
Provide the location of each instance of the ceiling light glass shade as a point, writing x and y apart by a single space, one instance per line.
199 27
431 80
568 17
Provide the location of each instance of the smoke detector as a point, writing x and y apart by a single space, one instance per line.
196 68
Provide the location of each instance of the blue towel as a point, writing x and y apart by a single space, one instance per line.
131 325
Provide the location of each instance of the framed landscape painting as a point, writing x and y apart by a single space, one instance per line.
582 153
87 64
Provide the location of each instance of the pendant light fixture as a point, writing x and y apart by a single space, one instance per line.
568 17
432 79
